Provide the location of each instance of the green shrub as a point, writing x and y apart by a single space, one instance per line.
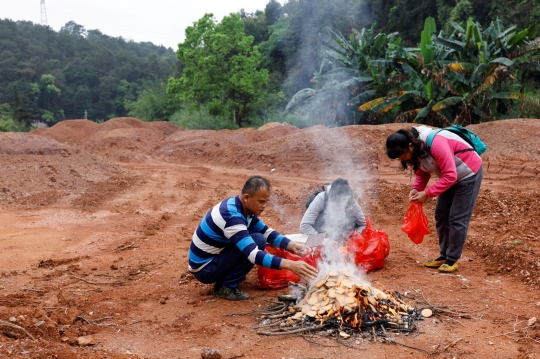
201 120
529 106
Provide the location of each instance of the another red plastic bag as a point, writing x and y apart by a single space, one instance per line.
415 223
275 278
369 248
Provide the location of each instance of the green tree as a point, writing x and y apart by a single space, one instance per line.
6 118
461 12
221 68
23 114
153 103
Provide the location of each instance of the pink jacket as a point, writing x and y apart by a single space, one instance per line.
448 167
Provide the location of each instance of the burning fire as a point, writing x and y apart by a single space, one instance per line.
341 300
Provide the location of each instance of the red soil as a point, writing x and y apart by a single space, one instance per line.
95 223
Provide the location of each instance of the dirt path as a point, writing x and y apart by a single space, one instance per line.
120 262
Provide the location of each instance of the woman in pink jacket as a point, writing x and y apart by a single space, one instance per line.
459 169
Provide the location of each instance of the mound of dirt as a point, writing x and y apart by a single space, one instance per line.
37 172
518 138
165 127
505 231
117 139
73 132
284 148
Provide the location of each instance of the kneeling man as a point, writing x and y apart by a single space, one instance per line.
231 239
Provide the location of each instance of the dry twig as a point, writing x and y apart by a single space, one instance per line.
453 343
393 341
125 246
33 290
98 283
135 322
11 325
301 330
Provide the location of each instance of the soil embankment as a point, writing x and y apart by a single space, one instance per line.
96 219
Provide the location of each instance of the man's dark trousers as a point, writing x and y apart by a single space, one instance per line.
230 266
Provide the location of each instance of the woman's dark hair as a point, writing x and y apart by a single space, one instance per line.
398 144
340 189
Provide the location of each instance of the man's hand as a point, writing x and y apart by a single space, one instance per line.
419 197
299 248
299 268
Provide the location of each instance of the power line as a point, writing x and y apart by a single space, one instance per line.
43 13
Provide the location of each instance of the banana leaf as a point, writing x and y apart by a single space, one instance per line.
457 26
476 34
386 64
509 95
380 39
429 25
386 106
429 90
454 76
424 111
370 104
362 98
503 61
447 102
427 54
478 72
339 57
331 43
516 38
455 45
425 38
461 66
533 31
299 97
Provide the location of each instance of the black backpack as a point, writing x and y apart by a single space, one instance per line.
316 193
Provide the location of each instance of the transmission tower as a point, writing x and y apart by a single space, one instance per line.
43 13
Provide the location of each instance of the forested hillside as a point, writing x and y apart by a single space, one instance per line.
51 76
244 69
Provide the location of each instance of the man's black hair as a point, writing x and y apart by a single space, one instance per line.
255 183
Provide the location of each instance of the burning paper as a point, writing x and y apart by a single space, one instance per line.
352 303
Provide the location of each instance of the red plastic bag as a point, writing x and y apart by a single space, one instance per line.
415 223
369 248
275 278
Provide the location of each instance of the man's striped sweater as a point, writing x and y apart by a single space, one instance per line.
226 225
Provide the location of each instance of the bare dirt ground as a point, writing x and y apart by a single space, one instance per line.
96 220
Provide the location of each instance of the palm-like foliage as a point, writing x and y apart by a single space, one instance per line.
460 78
351 72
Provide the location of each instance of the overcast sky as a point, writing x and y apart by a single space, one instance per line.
159 21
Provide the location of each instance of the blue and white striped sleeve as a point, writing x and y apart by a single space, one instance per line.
272 236
236 230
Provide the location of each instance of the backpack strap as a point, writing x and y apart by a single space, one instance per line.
429 140
433 133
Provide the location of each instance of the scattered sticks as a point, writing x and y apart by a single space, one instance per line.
453 343
301 330
33 290
518 300
393 341
125 246
11 325
98 283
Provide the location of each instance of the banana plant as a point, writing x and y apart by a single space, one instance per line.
351 76
460 78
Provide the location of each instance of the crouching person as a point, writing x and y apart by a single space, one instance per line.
231 239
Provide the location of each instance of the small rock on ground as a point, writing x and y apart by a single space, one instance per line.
86 340
207 353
